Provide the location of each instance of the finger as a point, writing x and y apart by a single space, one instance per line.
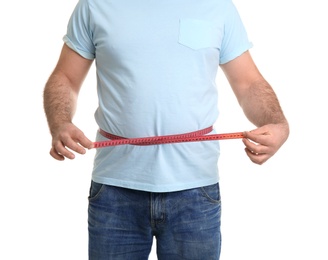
254 147
257 137
85 142
256 158
55 155
61 150
74 146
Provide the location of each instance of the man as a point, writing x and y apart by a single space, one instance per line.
156 67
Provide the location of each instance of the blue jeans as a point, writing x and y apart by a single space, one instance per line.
122 223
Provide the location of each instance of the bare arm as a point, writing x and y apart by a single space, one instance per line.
60 97
260 105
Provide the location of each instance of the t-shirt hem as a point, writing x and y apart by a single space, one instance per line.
84 54
154 188
235 54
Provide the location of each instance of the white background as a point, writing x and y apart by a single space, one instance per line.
270 212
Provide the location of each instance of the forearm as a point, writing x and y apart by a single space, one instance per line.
60 100
261 106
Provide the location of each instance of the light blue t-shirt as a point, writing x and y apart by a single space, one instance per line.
156 65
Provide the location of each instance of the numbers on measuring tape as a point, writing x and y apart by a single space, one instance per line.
166 139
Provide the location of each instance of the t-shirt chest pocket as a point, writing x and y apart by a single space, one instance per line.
199 34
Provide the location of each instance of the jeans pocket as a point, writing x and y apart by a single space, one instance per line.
95 190
199 34
212 193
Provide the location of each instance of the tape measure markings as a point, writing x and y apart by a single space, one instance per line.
169 139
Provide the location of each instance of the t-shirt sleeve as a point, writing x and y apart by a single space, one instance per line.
235 39
79 33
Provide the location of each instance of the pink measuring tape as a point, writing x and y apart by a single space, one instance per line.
200 135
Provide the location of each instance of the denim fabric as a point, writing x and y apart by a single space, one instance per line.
122 223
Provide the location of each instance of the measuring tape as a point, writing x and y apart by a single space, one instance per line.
196 136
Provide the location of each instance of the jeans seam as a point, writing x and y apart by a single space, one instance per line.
93 198
209 198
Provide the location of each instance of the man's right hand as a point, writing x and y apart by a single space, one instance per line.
67 138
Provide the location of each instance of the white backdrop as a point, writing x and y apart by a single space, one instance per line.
274 211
